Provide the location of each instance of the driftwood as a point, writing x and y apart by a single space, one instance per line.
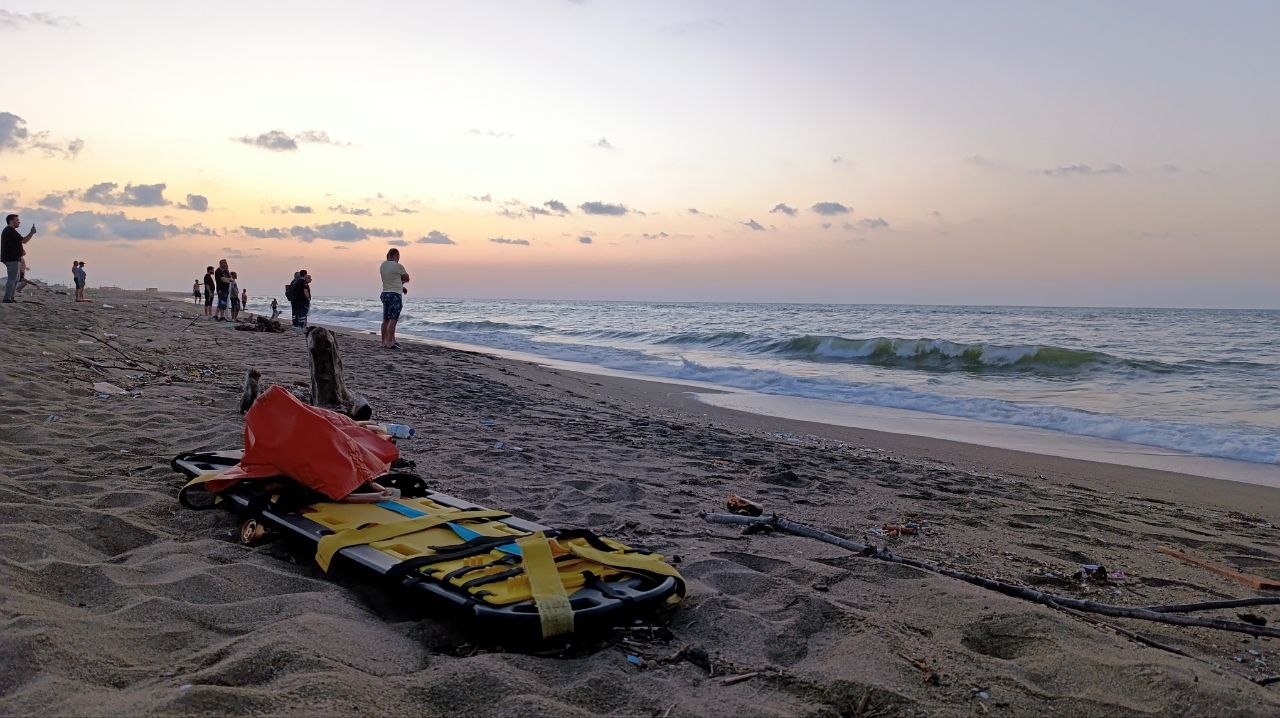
250 390
328 388
262 324
1008 589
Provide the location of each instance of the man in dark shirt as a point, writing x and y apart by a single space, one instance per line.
11 252
223 279
208 291
300 298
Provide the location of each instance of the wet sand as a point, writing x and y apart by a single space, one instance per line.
114 599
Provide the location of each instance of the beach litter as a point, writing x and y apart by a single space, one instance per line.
745 507
103 388
51 418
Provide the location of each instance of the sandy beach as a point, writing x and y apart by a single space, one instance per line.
116 600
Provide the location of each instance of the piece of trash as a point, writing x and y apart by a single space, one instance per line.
400 431
103 387
910 529
746 507
1118 576
499 445
731 680
83 341
1091 572
1253 618
109 335
107 306
488 422
983 695
876 530
635 660
51 418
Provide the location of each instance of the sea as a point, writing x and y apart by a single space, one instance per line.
1201 382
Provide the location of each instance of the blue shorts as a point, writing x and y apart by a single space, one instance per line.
391 305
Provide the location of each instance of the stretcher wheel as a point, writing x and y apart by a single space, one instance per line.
252 533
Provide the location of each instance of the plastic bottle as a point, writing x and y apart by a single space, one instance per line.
400 431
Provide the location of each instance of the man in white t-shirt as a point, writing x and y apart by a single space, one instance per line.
393 278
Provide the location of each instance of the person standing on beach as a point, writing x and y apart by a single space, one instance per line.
233 292
11 253
244 299
222 281
299 296
78 277
208 291
275 309
394 276
195 292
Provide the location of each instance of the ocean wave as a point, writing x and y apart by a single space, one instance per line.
919 354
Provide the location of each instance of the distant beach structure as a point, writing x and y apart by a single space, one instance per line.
152 289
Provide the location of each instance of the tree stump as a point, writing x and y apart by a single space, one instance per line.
328 388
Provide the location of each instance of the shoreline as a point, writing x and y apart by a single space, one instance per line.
959 438
114 599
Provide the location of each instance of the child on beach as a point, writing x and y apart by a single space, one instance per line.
275 309
233 292
195 291
209 288
244 299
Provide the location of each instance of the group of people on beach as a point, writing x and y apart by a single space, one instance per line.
13 252
221 284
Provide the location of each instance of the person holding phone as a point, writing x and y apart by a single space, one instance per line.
11 253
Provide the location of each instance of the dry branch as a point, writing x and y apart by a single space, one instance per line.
1008 589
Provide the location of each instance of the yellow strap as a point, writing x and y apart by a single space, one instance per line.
637 562
333 543
548 590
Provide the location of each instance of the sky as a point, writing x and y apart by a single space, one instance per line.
1082 154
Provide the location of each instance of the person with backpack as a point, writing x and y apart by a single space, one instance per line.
298 292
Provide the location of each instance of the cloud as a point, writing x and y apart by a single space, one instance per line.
612 210
343 231
490 133
504 240
535 211
752 224
659 235
296 209
280 141
1170 168
1084 170
984 162
873 223
831 208
604 144
264 233
19 20
15 137
482 198
556 206
435 236
357 211
133 195
398 242
826 225
52 201
101 226
196 202
694 210
785 209
836 159
584 239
